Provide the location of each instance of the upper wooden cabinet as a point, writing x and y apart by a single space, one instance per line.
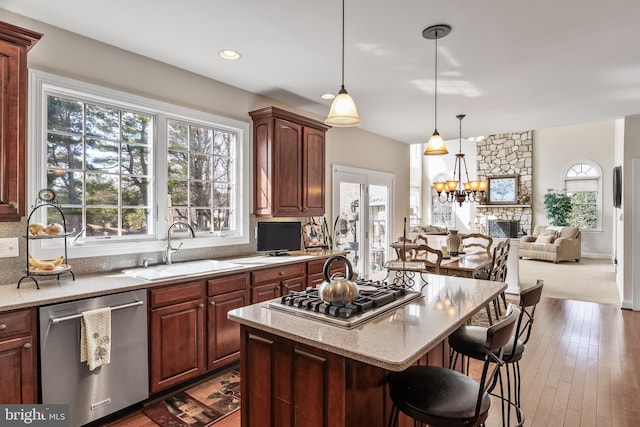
15 42
289 156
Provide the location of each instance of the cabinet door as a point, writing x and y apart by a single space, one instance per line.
224 334
14 44
17 370
313 172
287 159
265 292
177 344
295 284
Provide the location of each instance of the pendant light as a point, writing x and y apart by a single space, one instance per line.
343 111
436 145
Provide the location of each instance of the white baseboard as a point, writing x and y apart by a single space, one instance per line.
595 256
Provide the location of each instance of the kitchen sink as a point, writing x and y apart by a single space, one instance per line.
181 269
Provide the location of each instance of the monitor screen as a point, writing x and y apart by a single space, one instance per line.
278 237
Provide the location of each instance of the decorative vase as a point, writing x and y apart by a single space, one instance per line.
453 242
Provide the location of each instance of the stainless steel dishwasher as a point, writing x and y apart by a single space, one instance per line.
106 389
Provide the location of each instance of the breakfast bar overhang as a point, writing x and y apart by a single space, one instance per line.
301 371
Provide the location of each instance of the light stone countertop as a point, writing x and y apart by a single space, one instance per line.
392 341
54 291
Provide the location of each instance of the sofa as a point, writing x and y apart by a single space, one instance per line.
552 244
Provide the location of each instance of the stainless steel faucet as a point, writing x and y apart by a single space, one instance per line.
171 250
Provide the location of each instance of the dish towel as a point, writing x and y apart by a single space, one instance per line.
95 337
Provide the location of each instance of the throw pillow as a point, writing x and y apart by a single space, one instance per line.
545 239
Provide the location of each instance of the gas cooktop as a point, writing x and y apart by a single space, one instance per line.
374 298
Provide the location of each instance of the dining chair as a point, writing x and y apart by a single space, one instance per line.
441 396
468 341
497 272
476 242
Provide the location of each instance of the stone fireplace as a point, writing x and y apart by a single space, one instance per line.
503 228
507 154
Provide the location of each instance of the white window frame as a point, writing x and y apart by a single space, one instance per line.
41 84
599 207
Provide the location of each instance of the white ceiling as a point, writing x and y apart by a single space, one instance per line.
508 65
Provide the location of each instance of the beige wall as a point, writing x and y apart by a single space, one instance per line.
629 234
554 149
67 54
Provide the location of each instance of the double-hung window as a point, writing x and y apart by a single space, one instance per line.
124 168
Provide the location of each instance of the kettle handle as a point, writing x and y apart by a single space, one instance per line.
327 264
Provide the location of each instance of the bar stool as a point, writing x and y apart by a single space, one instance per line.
469 340
444 397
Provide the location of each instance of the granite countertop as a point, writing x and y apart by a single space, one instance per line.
392 341
66 289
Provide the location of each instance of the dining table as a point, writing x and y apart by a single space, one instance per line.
460 265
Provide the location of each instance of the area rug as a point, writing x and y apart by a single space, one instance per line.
592 280
201 405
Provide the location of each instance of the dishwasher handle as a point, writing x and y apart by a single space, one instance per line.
79 315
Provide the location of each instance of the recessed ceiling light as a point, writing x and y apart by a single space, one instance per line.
230 55
327 96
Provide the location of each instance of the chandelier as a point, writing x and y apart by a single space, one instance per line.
455 190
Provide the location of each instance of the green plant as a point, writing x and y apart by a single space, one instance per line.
558 206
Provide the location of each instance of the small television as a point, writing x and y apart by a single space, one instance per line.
277 238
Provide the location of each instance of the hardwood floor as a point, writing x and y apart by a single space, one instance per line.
581 367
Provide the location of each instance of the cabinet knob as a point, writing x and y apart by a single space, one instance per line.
201 305
3 326
26 345
281 273
212 303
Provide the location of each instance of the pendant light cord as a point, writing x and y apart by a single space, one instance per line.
343 44
436 86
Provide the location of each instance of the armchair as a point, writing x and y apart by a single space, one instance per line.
552 244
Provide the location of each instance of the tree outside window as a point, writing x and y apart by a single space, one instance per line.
583 185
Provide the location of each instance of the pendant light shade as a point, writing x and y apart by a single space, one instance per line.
343 112
435 145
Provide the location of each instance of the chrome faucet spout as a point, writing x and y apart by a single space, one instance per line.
170 249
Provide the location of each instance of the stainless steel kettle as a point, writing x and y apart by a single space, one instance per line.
338 289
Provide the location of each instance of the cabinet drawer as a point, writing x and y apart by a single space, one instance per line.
278 273
176 293
316 266
223 285
16 323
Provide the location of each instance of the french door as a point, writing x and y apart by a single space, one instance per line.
362 209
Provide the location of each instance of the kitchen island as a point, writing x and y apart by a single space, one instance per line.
300 371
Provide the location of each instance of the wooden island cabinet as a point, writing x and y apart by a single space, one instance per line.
289 163
299 371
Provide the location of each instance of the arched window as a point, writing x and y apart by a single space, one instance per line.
583 183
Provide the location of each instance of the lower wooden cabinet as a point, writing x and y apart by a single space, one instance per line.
223 335
177 334
18 357
315 277
273 282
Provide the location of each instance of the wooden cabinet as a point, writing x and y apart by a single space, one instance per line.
18 347
15 42
276 281
289 163
315 267
177 333
223 335
289 384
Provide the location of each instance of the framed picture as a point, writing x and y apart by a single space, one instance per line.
312 236
502 190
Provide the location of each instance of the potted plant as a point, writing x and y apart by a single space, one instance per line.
558 207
